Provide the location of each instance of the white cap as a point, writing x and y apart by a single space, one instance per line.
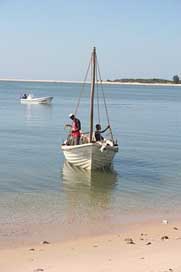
71 114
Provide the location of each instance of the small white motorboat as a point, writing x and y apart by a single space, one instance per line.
36 100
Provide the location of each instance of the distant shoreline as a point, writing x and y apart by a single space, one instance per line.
80 82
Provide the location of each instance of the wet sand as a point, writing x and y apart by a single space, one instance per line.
140 247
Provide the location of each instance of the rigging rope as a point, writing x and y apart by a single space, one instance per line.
98 79
81 89
98 108
107 115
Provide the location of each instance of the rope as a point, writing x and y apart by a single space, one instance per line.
107 115
98 74
98 108
82 88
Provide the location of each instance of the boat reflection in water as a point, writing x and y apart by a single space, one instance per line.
40 113
89 199
75 177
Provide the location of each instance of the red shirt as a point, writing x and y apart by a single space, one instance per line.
76 128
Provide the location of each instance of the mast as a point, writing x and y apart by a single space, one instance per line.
91 116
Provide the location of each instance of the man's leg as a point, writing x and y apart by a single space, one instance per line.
77 140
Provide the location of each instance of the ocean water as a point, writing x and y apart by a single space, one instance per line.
38 187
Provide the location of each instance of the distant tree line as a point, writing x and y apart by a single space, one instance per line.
175 80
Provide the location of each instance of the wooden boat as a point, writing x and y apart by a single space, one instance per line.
37 100
90 154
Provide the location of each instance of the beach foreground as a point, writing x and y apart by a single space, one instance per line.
142 247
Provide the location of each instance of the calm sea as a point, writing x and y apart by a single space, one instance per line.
37 187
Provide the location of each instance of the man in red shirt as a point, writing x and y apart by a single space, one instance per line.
76 127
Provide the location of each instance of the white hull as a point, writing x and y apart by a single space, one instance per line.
90 156
38 100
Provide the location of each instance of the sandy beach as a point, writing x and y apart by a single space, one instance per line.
140 247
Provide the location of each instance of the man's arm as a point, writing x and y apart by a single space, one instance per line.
105 129
67 125
78 125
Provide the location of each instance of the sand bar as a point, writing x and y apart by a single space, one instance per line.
79 82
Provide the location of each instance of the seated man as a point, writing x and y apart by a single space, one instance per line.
24 96
98 132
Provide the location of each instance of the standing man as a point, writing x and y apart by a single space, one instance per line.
76 127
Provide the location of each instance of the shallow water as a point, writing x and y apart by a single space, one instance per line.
37 186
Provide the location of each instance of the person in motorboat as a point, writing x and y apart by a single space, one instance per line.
98 131
24 96
75 129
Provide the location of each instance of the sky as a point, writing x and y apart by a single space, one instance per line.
53 39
